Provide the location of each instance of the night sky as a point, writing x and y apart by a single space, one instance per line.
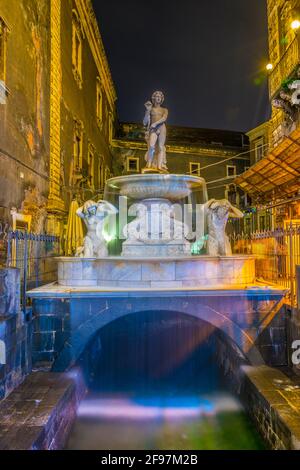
207 56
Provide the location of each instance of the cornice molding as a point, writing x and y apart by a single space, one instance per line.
91 28
126 144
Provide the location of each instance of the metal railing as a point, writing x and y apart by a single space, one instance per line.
34 256
277 253
288 61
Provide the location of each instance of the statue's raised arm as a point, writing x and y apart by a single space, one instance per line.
95 216
105 206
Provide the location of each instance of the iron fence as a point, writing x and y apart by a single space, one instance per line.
277 253
34 256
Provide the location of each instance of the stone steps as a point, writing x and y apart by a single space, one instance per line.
39 414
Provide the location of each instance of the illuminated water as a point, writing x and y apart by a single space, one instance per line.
154 384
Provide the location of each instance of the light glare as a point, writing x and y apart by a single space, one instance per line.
295 24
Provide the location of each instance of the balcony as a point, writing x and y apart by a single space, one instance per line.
284 68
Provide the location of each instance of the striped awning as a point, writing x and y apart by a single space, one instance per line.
277 175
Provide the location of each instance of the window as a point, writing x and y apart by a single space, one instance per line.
285 30
91 165
106 117
133 164
195 169
231 170
259 149
231 194
101 173
77 37
99 104
107 174
78 139
110 127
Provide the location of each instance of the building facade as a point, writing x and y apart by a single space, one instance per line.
272 182
284 55
57 110
217 156
24 102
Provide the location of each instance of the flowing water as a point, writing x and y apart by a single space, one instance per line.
154 383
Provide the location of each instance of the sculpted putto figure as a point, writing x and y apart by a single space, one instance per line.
94 215
217 214
155 123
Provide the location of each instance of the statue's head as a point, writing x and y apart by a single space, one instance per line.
276 103
158 97
90 208
220 207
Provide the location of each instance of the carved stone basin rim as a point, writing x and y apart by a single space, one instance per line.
145 186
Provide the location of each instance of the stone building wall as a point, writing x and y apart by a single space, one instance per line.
24 103
41 99
284 55
15 334
79 104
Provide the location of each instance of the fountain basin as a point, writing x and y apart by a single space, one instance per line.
166 186
177 272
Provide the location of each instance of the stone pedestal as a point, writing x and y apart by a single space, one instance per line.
173 272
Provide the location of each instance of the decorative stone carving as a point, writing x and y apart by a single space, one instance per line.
34 204
155 231
95 216
289 101
217 214
295 88
156 132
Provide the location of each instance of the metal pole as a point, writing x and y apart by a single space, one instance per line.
8 259
25 272
291 264
37 242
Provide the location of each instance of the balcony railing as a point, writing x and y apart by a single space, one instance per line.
277 253
284 68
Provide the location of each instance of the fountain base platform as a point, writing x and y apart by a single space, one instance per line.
169 272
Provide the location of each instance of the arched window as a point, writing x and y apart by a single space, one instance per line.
101 169
78 144
91 165
99 103
110 127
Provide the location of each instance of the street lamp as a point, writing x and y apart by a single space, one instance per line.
295 24
269 67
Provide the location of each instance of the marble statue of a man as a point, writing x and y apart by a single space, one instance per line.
217 214
94 215
155 123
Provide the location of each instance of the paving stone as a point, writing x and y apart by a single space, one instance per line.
40 412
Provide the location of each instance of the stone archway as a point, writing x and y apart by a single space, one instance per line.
102 313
